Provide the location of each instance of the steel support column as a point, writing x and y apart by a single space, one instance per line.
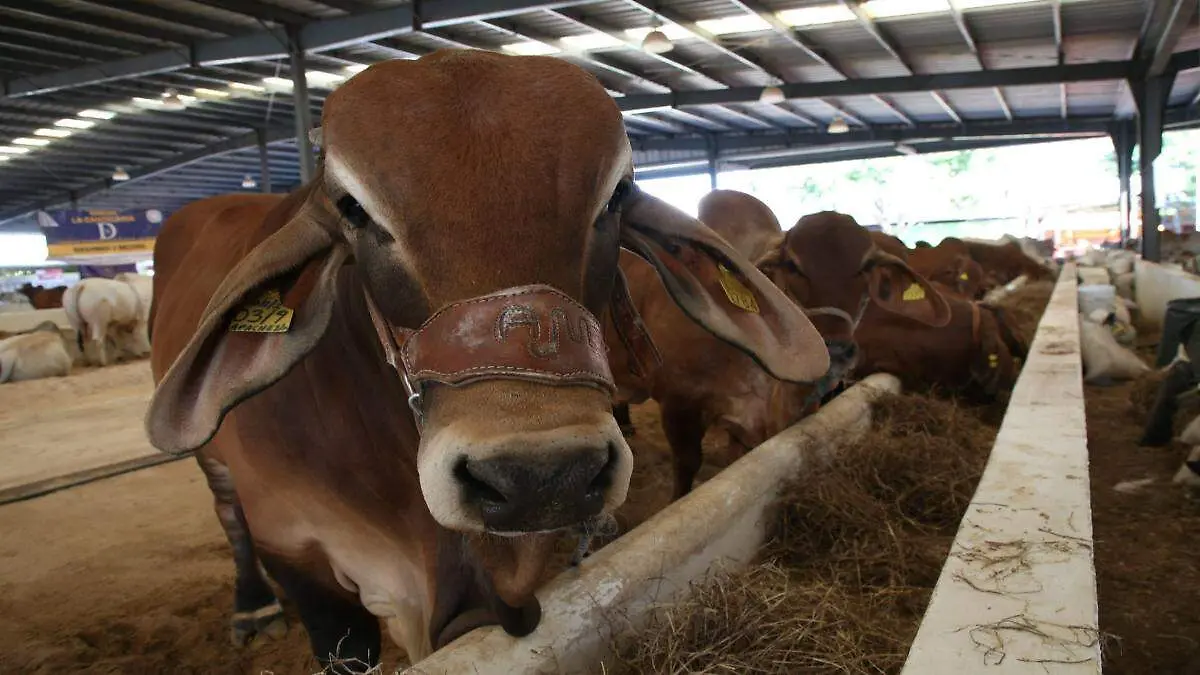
1151 95
264 163
308 164
1124 137
712 163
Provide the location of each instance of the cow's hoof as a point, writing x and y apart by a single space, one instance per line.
268 621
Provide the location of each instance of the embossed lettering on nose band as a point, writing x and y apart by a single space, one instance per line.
515 316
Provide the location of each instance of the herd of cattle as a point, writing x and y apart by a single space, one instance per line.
692 323
108 321
403 380
401 399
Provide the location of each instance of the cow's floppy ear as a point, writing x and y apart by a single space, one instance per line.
285 284
722 291
896 288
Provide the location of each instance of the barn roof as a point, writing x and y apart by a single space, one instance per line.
181 93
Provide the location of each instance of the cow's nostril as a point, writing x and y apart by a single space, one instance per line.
476 488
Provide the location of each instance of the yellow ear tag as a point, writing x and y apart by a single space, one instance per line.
993 360
738 294
913 293
964 276
265 315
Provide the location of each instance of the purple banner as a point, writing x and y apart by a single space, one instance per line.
105 271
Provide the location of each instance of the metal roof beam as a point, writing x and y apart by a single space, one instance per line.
1082 72
138 174
132 27
271 43
745 59
960 22
1164 25
792 36
666 59
893 134
59 45
155 11
258 10
52 31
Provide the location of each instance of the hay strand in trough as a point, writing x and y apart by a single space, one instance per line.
857 547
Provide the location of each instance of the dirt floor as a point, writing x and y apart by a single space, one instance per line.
132 574
62 425
1146 559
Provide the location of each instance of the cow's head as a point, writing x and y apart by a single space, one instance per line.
833 267
485 197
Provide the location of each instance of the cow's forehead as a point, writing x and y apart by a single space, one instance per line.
831 239
469 116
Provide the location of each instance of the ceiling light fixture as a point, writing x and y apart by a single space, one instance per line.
530 48
97 114
53 133
838 126
210 93
772 94
171 100
120 174
246 87
35 142
657 42
71 123
12 150
320 78
248 182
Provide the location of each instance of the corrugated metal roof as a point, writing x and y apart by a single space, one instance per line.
59 35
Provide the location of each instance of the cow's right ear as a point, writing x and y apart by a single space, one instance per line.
722 291
270 312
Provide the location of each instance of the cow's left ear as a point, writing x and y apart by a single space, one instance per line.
896 288
270 311
722 291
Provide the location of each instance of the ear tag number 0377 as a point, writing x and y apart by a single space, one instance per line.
738 294
265 315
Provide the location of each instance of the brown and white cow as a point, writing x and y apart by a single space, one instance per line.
704 382
470 234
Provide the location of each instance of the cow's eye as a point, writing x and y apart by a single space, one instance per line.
619 195
353 212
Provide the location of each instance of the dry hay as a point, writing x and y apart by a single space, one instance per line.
857 548
1025 306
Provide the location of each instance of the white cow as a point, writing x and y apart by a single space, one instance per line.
144 287
41 352
104 310
14 302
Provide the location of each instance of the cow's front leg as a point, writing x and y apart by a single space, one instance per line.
683 424
344 636
621 413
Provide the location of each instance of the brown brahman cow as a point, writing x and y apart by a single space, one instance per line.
704 382
890 244
467 235
949 271
1001 263
899 321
